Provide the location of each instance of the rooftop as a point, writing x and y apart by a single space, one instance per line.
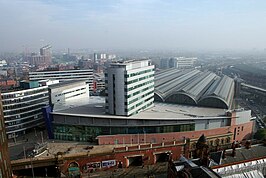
243 154
191 169
66 83
194 87
96 107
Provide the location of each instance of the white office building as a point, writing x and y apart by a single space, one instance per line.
67 93
22 109
182 62
64 75
129 87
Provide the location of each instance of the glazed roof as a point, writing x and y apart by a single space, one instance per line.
194 84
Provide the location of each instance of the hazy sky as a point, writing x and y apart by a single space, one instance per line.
133 24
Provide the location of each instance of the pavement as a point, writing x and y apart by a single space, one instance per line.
23 147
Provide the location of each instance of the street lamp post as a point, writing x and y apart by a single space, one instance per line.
32 170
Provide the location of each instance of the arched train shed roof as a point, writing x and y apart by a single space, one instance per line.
194 87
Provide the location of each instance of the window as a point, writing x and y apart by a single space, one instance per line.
228 140
211 143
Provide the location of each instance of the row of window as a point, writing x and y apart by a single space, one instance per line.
138 86
138 79
86 133
60 94
23 115
87 75
28 125
62 72
138 73
24 99
23 105
140 91
23 120
140 97
144 107
26 93
19 111
76 95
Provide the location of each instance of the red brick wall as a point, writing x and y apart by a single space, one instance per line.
8 83
243 131
158 138
148 156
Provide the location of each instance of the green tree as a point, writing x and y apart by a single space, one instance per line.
260 134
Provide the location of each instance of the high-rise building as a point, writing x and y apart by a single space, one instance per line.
46 50
5 168
45 56
129 87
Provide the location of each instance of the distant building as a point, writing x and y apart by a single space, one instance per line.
5 167
64 75
46 51
3 63
45 56
164 63
98 56
3 72
103 56
177 62
7 83
129 87
181 62
98 82
22 108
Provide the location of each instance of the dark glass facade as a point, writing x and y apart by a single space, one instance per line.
89 133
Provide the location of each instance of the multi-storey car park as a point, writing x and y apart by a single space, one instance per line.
22 109
193 87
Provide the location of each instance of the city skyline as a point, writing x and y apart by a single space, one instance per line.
131 25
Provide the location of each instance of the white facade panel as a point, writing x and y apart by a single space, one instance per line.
125 80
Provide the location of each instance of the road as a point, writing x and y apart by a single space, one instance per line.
158 170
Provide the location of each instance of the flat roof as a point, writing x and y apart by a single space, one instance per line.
96 108
65 83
